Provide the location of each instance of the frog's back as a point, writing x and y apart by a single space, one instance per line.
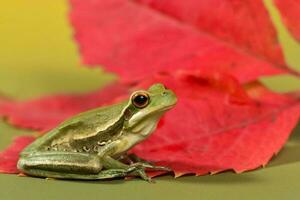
83 132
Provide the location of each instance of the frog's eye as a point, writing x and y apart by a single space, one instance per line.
140 99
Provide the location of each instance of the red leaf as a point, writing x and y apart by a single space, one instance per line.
217 125
10 156
243 23
290 11
136 40
44 114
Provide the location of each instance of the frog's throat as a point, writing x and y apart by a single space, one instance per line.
145 126
136 134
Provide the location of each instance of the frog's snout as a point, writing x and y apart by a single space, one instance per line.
166 97
171 98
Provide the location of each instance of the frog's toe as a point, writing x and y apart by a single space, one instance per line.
162 168
144 176
151 166
140 171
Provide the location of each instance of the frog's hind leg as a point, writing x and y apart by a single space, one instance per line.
104 174
68 165
60 164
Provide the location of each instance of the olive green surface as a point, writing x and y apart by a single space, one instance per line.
38 57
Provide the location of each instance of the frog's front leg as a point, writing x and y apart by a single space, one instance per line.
112 163
68 165
133 170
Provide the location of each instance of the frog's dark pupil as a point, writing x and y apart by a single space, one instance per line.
140 100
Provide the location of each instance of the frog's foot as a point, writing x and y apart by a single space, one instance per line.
135 160
140 171
151 166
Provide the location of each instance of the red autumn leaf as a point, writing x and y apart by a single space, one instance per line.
10 156
137 38
243 23
44 114
290 11
217 125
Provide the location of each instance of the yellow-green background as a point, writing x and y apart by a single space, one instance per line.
38 57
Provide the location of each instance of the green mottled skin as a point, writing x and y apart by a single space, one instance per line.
94 144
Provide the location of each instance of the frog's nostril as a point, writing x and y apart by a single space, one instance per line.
164 93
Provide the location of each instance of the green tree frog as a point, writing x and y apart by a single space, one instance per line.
94 144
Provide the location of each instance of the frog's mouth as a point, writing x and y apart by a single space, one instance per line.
166 108
154 115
